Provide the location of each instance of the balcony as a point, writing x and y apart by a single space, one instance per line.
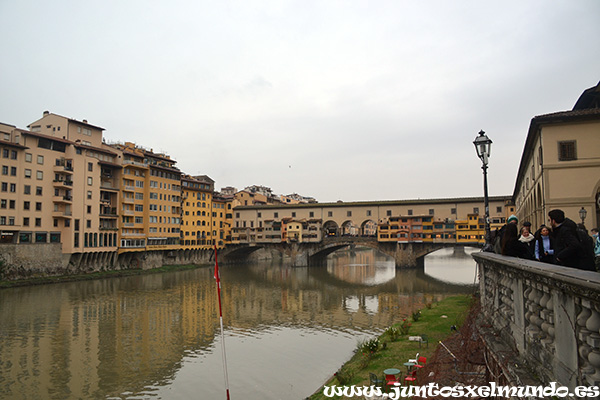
63 199
67 169
62 214
62 183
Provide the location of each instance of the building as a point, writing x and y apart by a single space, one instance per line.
560 164
197 227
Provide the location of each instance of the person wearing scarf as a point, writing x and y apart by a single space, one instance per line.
528 240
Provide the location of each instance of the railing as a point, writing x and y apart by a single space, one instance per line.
550 314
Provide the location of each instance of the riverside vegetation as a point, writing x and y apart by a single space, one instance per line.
392 349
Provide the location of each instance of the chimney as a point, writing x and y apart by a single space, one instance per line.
85 121
46 113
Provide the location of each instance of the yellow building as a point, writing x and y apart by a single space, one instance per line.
197 221
560 165
150 201
222 219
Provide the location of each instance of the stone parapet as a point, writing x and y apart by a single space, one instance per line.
549 314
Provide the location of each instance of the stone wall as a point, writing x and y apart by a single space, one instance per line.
549 316
27 260
22 261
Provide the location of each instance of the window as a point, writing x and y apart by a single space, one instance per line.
475 210
28 173
388 213
90 181
330 213
567 151
5 170
275 215
88 223
27 189
13 187
13 154
311 214
38 222
499 209
259 215
431 211
25 221
410 212
40 160
38 190
28 157
4 186
38 206
39 175
25 205
13 171
349 213
3 203
89 194
11 204
89 209
293 214
90 166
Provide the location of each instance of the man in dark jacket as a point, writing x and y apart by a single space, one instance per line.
568 250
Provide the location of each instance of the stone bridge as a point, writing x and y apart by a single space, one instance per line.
406 255
540 323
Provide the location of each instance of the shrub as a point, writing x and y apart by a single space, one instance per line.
404 327
416 315
393 333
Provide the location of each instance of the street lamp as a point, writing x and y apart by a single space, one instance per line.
483 146
582 214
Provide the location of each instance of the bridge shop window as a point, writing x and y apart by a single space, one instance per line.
349 213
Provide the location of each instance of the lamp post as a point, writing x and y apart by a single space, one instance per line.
483 146
582 215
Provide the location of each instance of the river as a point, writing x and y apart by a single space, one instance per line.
157 336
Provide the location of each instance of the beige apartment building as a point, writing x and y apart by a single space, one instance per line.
560 165
53 186
197 227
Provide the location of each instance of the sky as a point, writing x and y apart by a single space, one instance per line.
337 100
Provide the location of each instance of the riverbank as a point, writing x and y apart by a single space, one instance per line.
392 349
43 280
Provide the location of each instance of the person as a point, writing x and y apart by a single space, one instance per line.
544 245
528 240
567 249
511 246
596 248
527 225
499 234
587 252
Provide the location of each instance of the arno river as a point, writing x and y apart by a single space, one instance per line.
157 336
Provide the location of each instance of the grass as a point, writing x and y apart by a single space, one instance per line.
42 280
393 354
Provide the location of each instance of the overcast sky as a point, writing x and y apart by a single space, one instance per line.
350 100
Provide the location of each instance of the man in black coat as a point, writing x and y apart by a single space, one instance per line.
568 250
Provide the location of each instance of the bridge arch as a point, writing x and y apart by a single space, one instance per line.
350 229
331 228
368 228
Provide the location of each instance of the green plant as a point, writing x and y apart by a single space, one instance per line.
370 346
404 327
393 333
416 315
343 376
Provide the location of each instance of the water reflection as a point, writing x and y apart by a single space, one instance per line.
453 265
156 336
